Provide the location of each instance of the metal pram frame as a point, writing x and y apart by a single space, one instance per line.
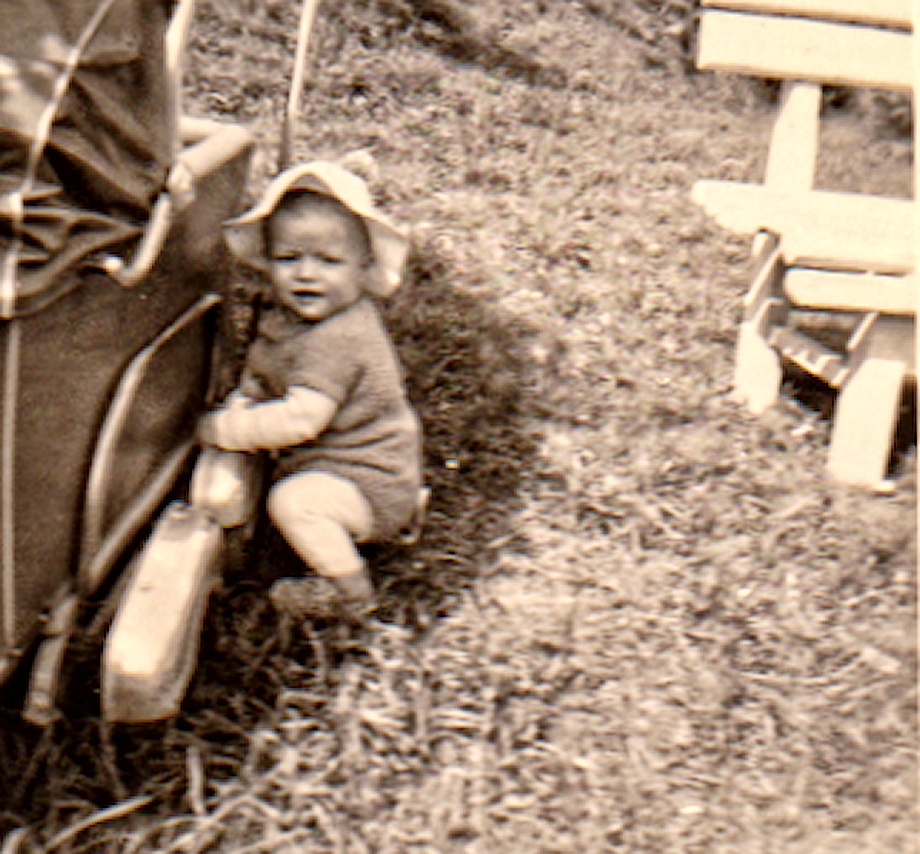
101 384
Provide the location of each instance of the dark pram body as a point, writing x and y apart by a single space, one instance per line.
103 370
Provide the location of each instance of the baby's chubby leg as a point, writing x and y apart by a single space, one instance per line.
322 516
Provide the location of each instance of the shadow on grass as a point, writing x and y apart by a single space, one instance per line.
469 378
446 27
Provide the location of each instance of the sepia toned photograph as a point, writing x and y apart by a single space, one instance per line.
458 427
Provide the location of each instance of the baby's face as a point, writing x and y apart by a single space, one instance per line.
318 257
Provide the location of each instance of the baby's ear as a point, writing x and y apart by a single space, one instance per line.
369 276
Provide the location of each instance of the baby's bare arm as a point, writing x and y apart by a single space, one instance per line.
247 425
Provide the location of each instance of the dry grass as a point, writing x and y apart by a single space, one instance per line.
640 620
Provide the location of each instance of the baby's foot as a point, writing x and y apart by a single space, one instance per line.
304 598
317 598
355 588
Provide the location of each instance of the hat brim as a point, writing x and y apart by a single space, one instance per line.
245 235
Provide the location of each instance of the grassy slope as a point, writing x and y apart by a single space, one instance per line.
640 620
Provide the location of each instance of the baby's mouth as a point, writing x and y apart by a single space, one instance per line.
307 293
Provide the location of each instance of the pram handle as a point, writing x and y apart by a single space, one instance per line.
211 144
161 217
148 250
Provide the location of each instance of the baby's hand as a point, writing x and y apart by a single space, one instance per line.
238 399
209 425
207 429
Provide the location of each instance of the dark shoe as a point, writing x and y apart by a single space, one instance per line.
356 586
316 598
311 598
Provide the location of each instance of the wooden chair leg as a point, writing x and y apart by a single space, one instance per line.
758 367
866 413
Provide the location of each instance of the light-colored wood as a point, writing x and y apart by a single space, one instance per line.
892 13
818 360
867 406
820 228
799 49
843 291
793 154
864 423
887 337
858 335
837 233
766 281
152 647
758 369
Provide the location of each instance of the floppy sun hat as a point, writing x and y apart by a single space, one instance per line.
246 234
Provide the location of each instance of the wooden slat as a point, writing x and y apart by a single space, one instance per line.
814 357
795 48
883 336
864 423
767 280
827 289
793 153
819 228
758 370
891 13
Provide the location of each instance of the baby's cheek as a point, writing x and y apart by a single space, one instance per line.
366 278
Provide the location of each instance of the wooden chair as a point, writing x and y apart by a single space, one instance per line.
817 250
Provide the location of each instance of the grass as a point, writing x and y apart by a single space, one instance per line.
640 619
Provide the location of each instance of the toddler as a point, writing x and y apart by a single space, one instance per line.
322 387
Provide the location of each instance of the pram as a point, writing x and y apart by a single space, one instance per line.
112 280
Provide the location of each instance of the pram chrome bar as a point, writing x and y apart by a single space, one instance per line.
289 128
161 217
40 702
222 143
175 46
7 480
99 548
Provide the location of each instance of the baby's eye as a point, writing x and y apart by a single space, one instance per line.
286 257
328 259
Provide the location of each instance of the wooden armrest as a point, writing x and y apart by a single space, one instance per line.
819 228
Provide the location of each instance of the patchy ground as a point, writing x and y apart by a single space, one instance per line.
640 620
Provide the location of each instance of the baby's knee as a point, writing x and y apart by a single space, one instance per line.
285 506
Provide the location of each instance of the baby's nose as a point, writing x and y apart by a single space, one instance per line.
307 267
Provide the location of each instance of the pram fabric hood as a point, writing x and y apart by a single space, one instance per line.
86 181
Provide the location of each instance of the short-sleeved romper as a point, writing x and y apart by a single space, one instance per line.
374 439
